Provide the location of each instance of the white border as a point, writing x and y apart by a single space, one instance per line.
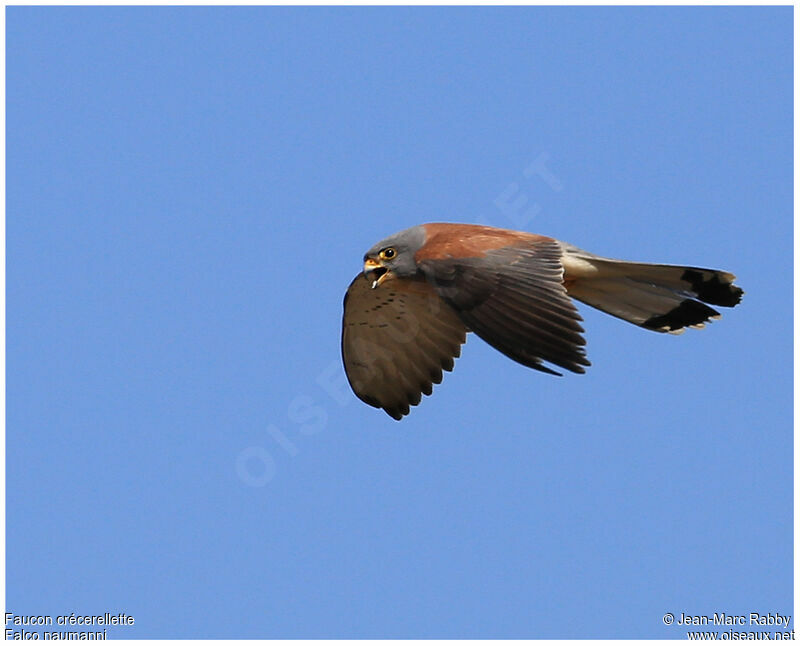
383 3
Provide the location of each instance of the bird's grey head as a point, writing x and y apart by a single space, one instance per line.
393 257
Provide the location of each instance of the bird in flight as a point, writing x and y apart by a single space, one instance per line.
408 313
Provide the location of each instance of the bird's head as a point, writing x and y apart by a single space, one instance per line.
393 257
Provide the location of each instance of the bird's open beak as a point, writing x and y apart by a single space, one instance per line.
375 272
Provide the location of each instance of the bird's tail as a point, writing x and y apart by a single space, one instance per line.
664 298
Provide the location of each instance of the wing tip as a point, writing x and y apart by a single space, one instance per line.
394 413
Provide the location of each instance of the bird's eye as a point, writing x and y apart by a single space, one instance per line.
388 253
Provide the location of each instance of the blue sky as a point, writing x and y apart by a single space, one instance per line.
189 192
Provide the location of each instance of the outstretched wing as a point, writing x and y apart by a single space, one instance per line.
396 340
513 297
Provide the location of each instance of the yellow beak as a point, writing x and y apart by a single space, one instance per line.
375 272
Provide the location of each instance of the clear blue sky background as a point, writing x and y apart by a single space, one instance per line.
190 192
